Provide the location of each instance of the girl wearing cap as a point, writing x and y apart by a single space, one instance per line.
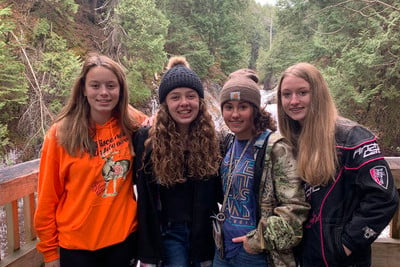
177 162
347 181
264 204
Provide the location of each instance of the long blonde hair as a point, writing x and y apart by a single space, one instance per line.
74 129
314 142
168 148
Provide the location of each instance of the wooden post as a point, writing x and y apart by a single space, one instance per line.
13 237
29 212
394 164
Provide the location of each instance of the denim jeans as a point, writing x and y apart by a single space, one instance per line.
176 243
242 259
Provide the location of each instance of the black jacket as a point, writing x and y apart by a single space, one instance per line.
355 208
149 233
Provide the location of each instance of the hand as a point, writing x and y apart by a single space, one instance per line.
148 122
246 246
347 251
55 263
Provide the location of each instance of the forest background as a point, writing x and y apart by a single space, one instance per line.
42 42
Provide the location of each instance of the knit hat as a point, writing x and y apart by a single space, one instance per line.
178 75
241 85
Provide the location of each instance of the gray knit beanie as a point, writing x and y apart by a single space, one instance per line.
241 85
178 75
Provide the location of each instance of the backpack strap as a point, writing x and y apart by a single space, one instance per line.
259 154
226 143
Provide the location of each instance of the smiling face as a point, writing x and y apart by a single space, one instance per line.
239 117
183 106
102 90
295 97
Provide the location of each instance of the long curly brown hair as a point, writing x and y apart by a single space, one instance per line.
175 156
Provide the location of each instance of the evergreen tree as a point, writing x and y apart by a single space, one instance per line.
143 31
13 86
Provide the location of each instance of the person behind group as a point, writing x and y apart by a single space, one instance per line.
86 211
264 203
177 161
347 180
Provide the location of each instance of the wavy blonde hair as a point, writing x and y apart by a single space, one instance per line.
314 143
75 131
169 148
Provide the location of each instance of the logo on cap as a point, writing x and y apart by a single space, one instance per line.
235 96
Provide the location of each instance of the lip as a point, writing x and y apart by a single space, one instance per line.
235 123
184 113
103 100
296 110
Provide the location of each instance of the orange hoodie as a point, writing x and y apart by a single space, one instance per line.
85 202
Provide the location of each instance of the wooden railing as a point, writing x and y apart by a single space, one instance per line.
386 251
18 183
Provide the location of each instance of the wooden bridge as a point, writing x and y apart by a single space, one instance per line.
18 186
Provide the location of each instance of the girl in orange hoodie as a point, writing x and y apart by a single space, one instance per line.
86 213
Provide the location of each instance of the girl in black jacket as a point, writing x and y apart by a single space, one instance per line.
176 163
347 180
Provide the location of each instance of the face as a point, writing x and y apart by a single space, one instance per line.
238 116
296 97
183 105
102 90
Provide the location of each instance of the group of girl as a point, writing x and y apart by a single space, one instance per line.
316 194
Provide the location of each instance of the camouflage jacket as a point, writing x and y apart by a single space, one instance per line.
282 204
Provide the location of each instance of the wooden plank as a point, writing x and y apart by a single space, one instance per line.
394 164
395 223
28 256
29 212
13 236
18 188
17 170
18 181
386 252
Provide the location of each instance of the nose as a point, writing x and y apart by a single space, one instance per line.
294 99
103 89
235 112
184 101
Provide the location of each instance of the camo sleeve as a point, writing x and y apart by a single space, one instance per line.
283 204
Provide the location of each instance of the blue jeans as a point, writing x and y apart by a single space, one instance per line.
242 259
176 243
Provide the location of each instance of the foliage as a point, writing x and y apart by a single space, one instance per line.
13 86
64 7
57 70
144 29
138 90
183 40
208 32
355 44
